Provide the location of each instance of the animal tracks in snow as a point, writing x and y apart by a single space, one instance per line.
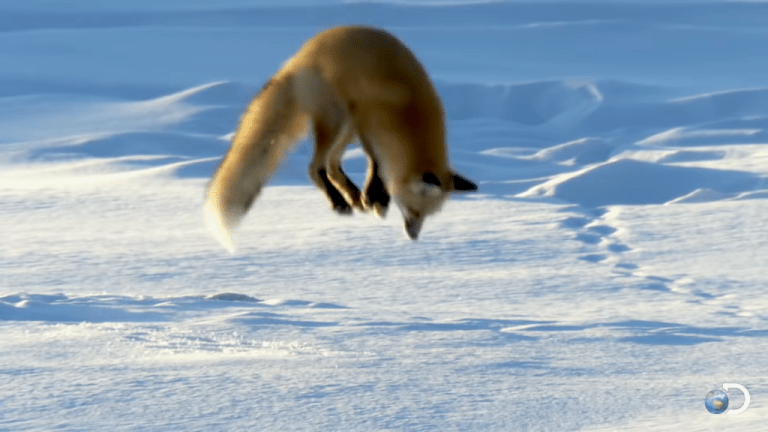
603 243
599 238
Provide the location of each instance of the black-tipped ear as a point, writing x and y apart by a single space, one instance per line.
430 178
461 184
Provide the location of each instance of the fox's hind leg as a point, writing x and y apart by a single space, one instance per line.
333 131
336 175
331 137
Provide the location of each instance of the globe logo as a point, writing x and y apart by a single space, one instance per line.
716 401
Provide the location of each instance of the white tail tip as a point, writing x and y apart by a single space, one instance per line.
218 225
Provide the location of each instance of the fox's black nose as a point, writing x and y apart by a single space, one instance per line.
413 226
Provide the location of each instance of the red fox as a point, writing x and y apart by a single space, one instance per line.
346 83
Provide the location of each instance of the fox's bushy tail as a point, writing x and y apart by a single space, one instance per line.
271 125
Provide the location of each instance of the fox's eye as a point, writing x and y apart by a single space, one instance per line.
412 213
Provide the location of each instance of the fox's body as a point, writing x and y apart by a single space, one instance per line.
346 83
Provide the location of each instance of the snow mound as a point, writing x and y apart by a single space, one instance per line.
134 143
233 297
197 109
702 136
579 152
64 309
632 182
531 104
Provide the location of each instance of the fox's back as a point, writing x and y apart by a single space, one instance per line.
375 73
342 53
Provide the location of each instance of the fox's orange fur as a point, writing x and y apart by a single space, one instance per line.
345 83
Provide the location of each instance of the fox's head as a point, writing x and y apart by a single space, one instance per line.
424 194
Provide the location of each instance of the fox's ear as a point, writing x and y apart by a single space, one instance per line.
462 184
427 185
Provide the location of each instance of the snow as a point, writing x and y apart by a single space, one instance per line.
609 273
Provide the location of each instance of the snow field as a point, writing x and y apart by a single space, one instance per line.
609 273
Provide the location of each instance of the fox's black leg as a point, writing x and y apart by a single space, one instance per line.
346 187
338 202
324 136
336 175
375 196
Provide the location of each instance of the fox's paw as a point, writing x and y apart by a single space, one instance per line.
355 200
345 206
337 201
378 203
380 210
376 197
344 210
340 205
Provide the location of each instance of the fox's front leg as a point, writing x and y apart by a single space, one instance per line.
375 197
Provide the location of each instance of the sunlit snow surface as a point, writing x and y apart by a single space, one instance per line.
610 272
